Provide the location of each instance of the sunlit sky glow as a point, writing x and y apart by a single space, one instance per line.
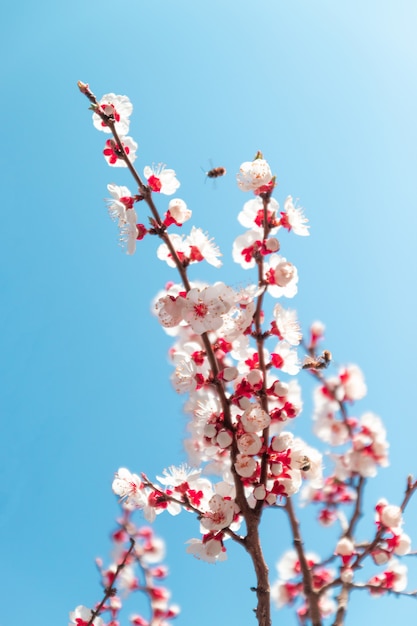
327 90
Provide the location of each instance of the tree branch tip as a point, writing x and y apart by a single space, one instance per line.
83 87
409 480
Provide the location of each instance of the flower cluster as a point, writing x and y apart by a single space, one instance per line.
363 444
364 450
239 400
111 115
289 588
137 566
237 364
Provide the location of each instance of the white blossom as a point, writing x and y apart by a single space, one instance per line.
161 180
118 108
253 174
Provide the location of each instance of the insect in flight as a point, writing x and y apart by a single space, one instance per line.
318 363
216 172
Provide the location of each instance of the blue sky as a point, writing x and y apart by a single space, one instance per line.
327 90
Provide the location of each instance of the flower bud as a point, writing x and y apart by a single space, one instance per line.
230 373
254 377
272 244
224 439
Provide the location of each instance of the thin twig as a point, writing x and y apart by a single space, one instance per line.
110 590
188 506
312 597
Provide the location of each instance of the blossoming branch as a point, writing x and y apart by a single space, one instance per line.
239 371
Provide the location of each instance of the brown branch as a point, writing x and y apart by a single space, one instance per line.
146 193
110 590
410 490
342 602
312 597
251 516
357 513
262 589
343 597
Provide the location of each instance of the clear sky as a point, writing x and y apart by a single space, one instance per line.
327 90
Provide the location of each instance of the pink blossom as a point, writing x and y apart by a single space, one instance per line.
281 276
169 310
282 442
327 605
177 213
403 544
114 155
253 174
271 244
129 486
292 218
290 482
81 616
345 548
255 378
249 443
138 620
184 377
285 358
394 578
160 179
220 515
347 575
245 248
201 247
260 493
289 565
127 580
176 476
224 438
194 248
307 459
252 214
154 552
129 232
118 109
122 200
390 515
254 419
211 549
204 308
353 383
181 248
330 430
245 465
285 592
286 325
236 321
317 329
370 448
229 374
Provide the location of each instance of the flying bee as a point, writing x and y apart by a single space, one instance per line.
319 363
305 464
216 172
